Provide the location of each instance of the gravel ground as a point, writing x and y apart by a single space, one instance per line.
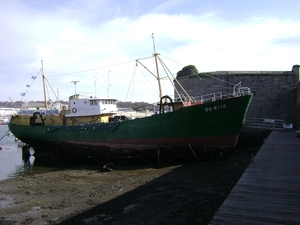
190 193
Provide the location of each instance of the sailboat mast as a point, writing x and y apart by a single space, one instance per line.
157 71
44 85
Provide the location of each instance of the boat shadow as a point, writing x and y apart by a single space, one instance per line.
188 194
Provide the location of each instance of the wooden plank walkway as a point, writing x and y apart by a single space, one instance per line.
269 190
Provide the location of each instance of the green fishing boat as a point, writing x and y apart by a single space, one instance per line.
89 127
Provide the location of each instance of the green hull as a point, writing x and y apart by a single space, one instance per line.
210 125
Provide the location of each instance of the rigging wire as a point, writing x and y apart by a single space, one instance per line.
131 82
60 81
98 68
132 88
205 74
114 52
51 89
174 78
150 84
218 79
171 60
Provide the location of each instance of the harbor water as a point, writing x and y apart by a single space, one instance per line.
11 161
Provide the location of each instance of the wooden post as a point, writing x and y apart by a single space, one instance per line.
158 157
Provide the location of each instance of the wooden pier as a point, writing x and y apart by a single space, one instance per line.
269 190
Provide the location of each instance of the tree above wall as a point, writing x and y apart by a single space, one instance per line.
187 71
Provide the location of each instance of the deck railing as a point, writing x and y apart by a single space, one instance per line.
262 123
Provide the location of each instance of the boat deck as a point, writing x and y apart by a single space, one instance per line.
269 190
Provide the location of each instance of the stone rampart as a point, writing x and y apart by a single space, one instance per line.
275 91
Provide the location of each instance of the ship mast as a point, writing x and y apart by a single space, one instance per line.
156 64
44 85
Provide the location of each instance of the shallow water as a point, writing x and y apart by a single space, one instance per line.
11 162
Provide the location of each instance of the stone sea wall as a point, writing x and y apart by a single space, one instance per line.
275 91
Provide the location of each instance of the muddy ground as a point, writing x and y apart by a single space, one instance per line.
188 193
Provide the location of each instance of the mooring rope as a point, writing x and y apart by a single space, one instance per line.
193 152
4 135
187 140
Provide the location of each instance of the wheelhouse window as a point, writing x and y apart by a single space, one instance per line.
93 102
107 102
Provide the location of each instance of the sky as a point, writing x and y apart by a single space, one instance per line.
97 42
